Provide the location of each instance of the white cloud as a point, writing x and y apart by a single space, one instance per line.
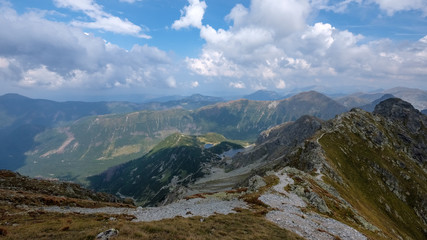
213 63
270 45
38 53
194 84
102 19
237 85
335 6
389 6
280 84
392 6
41 77
191 16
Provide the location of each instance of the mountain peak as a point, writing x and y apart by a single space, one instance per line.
13 97
309 95
395 108
263 95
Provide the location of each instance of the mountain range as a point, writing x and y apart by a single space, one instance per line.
22 119
305 164
58 139
96 143
367 170
417 97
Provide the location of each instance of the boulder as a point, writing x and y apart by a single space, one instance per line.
107 235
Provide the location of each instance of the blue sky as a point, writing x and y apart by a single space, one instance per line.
111 49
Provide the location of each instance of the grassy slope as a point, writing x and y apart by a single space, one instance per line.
365 187
180 156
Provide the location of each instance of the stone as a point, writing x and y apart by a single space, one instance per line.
256 182
107 235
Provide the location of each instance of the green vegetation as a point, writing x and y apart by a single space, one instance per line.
382 183
177 160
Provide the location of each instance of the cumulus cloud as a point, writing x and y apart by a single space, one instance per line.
271 45
237 84
191 15
392 6
36 52
102 19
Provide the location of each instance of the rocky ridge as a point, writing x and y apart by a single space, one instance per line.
385 151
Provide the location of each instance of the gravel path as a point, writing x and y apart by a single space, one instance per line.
308 225
184 208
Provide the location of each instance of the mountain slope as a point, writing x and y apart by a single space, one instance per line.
377 163
176 161
22 118
367 170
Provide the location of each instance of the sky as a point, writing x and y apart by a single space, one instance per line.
115 49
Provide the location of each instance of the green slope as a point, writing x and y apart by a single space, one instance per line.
175 161
381 163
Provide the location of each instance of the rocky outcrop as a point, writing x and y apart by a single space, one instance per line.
274 144
409 125
107 235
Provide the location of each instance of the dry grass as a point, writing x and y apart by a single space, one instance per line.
243 225
36 199
16 223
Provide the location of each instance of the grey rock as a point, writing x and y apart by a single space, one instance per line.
107 235
256 182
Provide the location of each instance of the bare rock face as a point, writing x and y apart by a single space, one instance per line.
409 125
403 112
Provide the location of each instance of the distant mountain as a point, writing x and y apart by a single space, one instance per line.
22 118
371 106
93 144
192 102
354 100
263 95
417 97
174 162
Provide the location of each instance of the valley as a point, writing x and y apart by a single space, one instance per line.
316 171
